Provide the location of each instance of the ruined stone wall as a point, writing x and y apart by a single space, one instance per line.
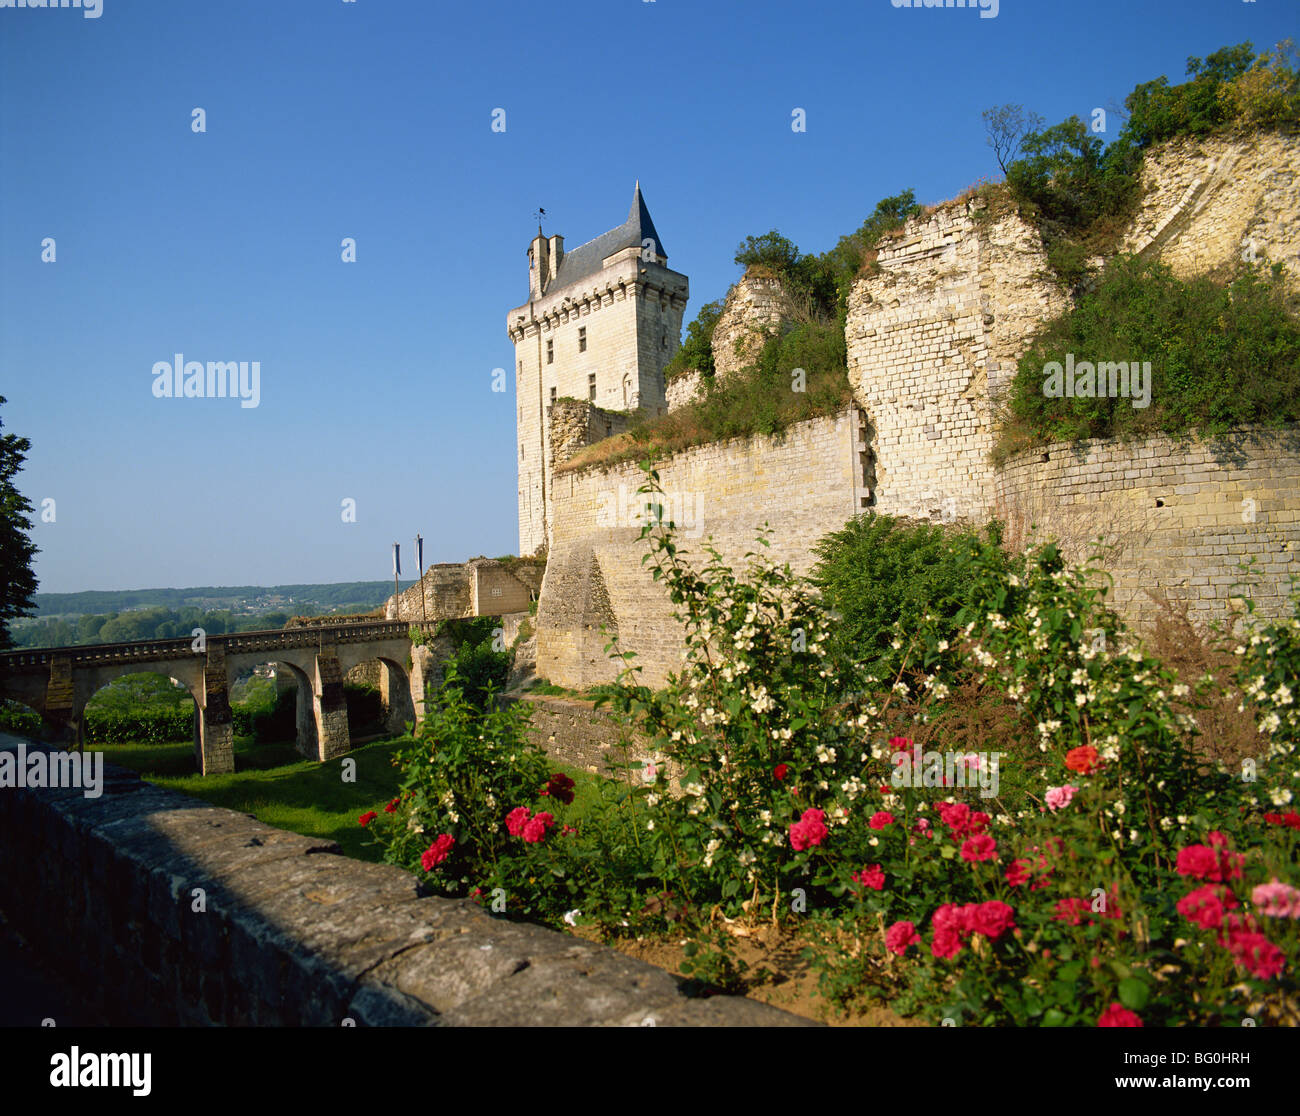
576 733
1207 202
755 308
1181 515
575 423
804 482
936 329
288 931
682 389
446 592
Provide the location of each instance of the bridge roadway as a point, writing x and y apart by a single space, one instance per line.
58 681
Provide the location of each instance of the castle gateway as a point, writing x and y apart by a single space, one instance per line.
600 324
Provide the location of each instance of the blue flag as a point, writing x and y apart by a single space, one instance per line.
419 553
397 560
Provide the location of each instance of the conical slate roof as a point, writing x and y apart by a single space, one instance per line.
586 259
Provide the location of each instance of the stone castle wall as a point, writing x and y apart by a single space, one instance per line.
1181 516
804 482
932 336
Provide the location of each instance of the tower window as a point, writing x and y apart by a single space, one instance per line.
521 367
591 386
663 340
552 395
582 339
550 351
521 451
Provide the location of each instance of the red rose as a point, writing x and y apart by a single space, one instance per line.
808 830
1257 954
781 770
436 853
391 808
880 819
535 828
1071 910
901 935
946 943
871 877
992 919
560 786
979 847
367 817
516 820
1206 906
1082 760
1117 1015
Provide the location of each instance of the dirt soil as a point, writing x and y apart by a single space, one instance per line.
791 987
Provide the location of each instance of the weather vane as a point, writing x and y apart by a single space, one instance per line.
539 215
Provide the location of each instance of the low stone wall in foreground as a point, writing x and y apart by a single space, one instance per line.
164 910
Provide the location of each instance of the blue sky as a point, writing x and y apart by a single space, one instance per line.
372 120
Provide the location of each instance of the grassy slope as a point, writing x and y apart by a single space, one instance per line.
277 786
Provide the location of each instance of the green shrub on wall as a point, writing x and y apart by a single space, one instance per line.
1220 356
878 571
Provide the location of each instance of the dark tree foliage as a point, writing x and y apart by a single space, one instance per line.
17 580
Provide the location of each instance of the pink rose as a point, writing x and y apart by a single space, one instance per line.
1059 797
880 819
1276 899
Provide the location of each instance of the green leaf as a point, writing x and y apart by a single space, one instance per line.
1053 1017
1134 993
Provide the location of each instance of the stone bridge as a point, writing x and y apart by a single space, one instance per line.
57 682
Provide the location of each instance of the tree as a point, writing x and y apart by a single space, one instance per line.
17 581
1007 126
771 249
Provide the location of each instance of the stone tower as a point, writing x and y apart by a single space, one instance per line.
600 323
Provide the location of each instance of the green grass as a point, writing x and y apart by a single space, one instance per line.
277 786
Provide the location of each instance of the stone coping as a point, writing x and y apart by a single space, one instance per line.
293 933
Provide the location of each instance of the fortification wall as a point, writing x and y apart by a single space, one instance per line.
1181 516
805 482
932 335
288 932
683 389
755 307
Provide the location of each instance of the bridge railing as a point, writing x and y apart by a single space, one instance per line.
32 660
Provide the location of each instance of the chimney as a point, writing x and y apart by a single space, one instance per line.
555 254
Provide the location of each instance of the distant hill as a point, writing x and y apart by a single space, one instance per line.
299 600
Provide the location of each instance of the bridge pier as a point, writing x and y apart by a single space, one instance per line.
62 716
331 707
398 695
215 743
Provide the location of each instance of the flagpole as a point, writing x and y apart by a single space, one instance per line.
419 562
397 569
